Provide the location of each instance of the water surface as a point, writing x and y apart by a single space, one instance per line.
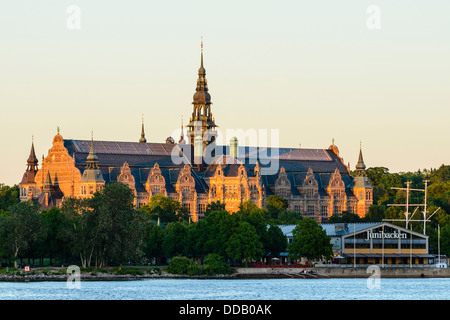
226 289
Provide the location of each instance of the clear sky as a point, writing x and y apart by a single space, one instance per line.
312 69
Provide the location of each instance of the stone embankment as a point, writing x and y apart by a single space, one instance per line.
23 277
241 273
348 272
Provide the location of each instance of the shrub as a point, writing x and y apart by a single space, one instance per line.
183 265
216 264
129 271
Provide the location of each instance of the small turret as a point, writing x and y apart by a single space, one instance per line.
92 172
360 166
362 188
28 183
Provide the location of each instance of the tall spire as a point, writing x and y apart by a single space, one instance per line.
142 139
202 121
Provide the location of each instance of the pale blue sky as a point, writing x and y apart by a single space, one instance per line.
311 69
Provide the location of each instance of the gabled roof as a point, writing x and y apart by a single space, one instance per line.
141 157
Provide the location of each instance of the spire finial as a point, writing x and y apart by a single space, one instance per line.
142 139
201 71
182 132
57 130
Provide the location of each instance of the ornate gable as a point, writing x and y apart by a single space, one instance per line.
126 177
185 182
58 161
283 185
242 172
156 184
336 187
310 186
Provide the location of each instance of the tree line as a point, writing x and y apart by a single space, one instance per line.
107 230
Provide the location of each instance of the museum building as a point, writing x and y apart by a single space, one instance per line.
315 182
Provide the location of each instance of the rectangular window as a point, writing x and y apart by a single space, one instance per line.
201 208
324 211
310 211
297 208
337 209
188 206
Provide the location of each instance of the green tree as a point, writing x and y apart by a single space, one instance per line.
154 243
118 226
288 217
309 240
344 217
105 227
175 239
165 209
248 207
276 241
216 264
257 220
375 214
83 229
57 241
442 174
196 237
275 205
20 227
445 240
375 174
220 225
244 243
214 206
8 196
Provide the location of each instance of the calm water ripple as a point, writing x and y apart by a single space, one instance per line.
267 289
